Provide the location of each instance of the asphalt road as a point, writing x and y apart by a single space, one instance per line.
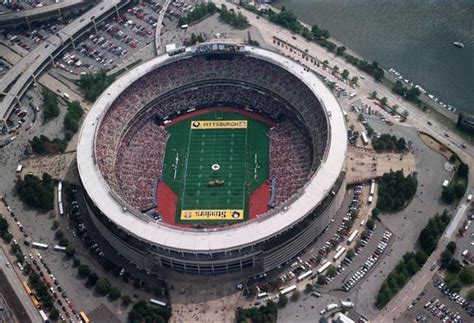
159 26
15 282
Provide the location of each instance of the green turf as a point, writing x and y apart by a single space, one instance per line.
243 156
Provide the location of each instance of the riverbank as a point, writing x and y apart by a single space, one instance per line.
429 107
415 38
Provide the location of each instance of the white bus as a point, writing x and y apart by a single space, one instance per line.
339 254
43 315
288 289
59 248
157 302
262 295
61 209
352 236
365 141
372 187
304 275
324 267
39 245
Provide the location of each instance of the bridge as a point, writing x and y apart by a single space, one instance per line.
26 17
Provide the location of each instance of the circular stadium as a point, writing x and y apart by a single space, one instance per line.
213 159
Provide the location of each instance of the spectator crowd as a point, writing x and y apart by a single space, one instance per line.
130 146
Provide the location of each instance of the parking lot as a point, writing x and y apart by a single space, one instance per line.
113 40
438 303
34 260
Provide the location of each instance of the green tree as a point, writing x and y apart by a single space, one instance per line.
3 225
453 282
295 296
54 314
466 275
73 117
55 225
399 88
76 262
236 20
83 271
345 74
50 105
340 50
373 95
126 300
70 251
59 234
320 33
384 100
459 189
36 192
287 19
321 280
308 288
354 80
446 257
449 194
331 271
463 170
395 190
141 312
103 286
412 94
350 253
92 279
63 242
198 13
7 237
114 293
282 301
451 246
92 85
470 294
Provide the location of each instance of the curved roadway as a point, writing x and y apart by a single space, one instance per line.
35 14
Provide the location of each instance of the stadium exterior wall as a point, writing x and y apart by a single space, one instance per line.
260 245
262 256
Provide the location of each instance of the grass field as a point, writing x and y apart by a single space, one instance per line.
241 156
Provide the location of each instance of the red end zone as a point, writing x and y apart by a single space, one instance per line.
258 201
166 203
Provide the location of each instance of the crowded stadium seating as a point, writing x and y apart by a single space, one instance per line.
129 146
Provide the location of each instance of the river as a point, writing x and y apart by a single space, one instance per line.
415 37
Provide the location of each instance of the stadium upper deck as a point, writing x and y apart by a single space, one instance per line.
234 237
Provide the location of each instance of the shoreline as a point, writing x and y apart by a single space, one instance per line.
424 98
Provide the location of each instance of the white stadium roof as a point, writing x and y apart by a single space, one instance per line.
205 240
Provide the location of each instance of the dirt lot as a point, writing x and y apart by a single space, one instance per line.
435 145
363 164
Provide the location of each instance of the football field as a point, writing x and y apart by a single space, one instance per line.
212 163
